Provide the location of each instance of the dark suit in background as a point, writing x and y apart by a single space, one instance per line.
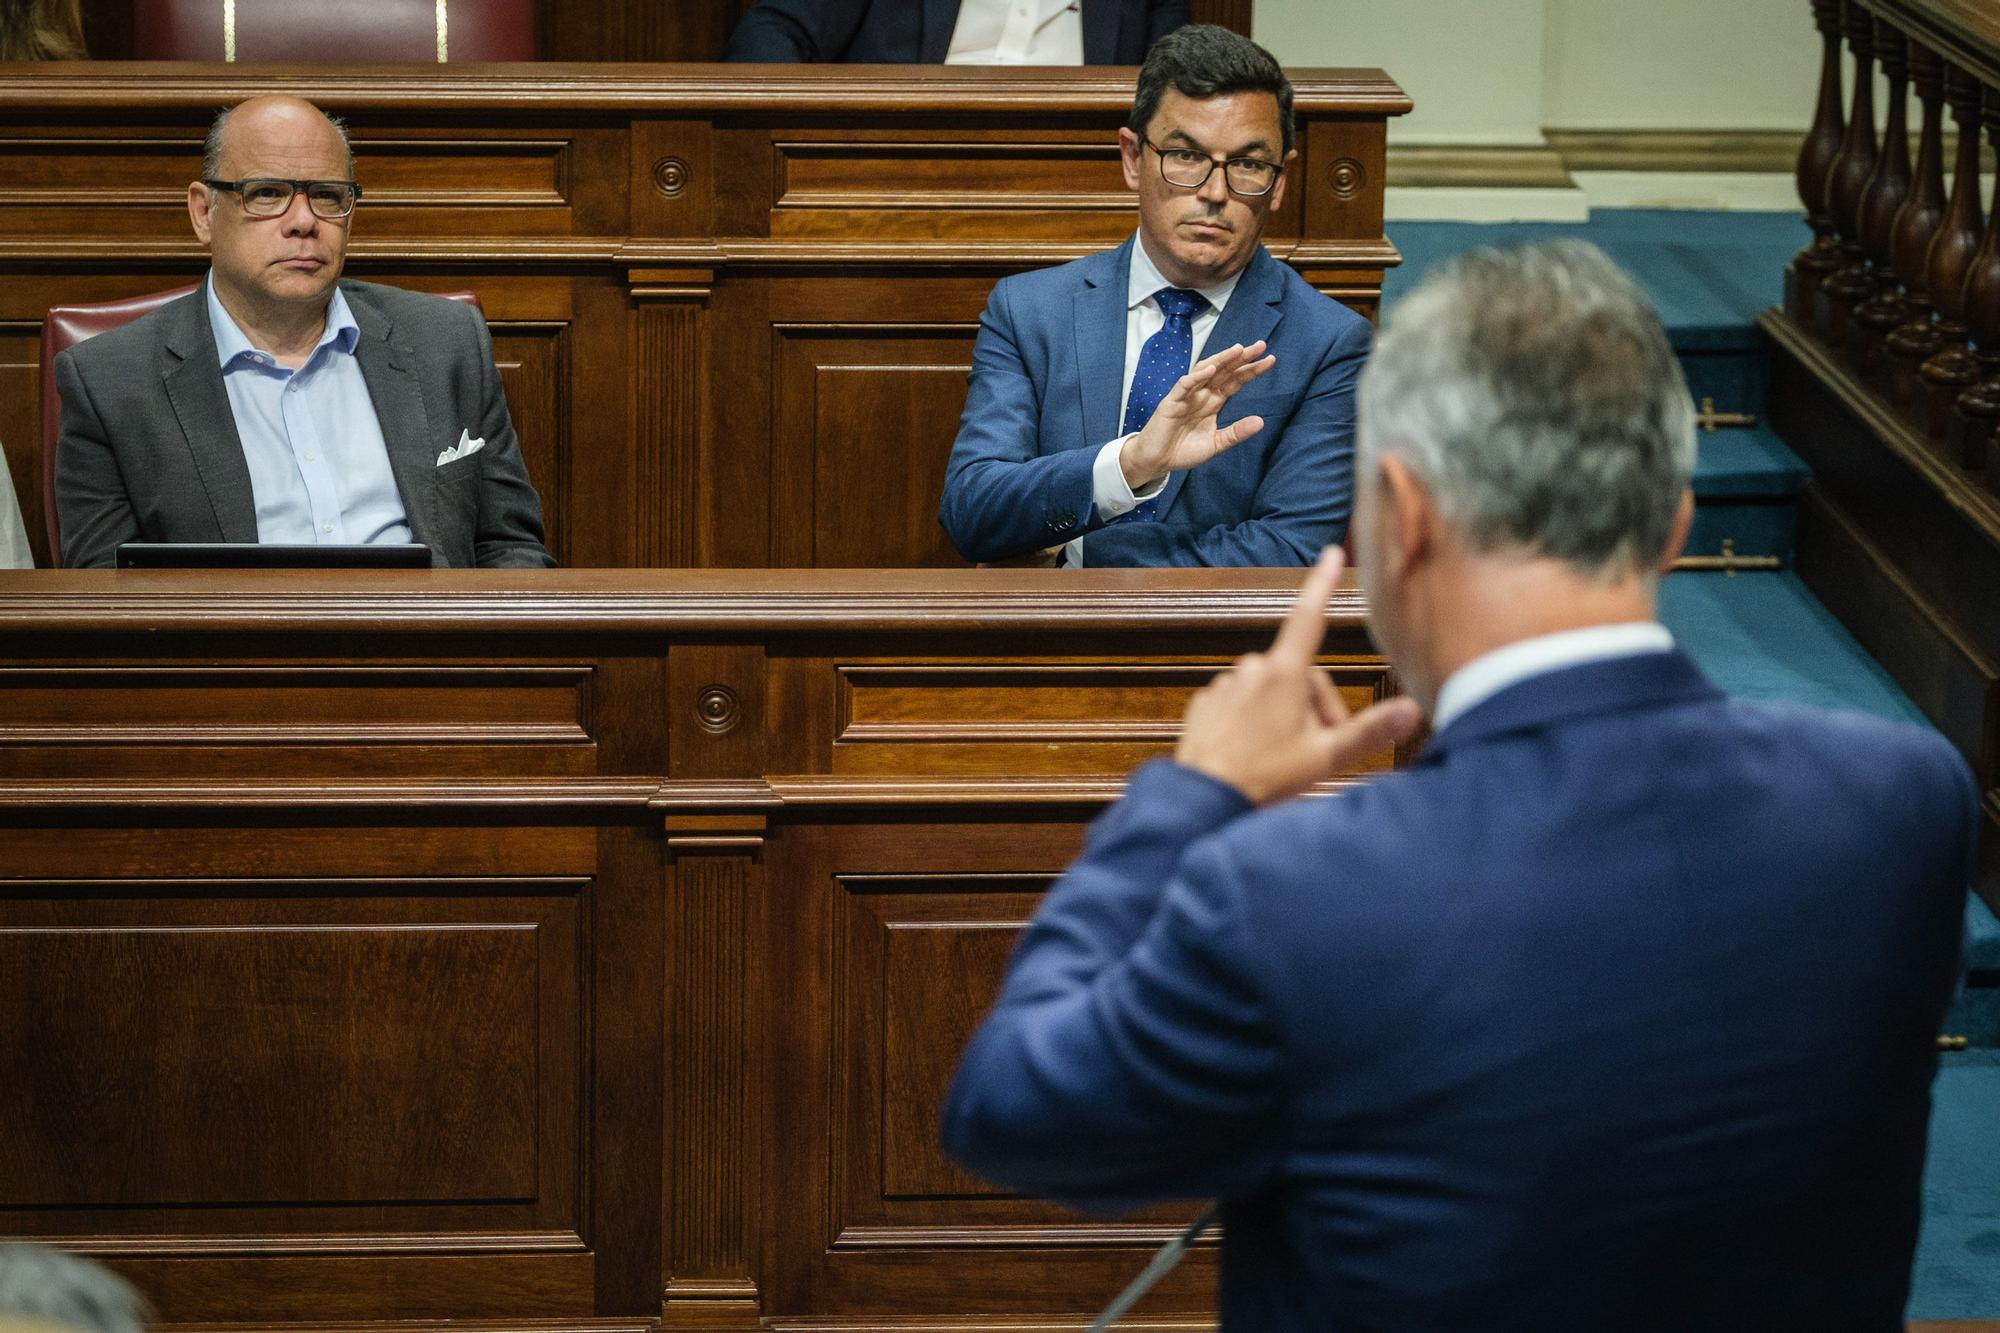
1617 1011
149 449
902 32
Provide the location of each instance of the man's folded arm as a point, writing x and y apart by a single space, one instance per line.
1129 1057
795 31
95 511
1002 498
1301 505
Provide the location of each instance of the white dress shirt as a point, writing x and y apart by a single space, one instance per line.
14 553
319 467
1143 319
1017 32
1489 673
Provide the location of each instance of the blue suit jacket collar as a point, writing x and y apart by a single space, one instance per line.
1253 313
1644 680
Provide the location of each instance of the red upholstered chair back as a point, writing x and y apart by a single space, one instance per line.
68 325
334 31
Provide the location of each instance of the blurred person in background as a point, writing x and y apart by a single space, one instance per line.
42 30
44 1290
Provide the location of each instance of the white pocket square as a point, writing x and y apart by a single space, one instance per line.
466 445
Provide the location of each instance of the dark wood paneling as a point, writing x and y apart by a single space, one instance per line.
1237 15
664 1031
733 309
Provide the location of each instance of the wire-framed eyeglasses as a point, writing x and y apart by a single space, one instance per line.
268 197
1189 169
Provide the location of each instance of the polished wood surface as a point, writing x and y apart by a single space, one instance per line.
733 306
580 946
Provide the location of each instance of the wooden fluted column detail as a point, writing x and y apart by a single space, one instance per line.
1811 265
1847 186
1972 427
1911 344
1881 208
1952 370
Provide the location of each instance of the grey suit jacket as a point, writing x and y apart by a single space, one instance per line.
149 449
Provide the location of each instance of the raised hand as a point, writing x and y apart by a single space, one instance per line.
1182 433
1272 724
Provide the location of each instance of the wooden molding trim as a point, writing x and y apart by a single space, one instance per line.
1749 152
318 794
1486 166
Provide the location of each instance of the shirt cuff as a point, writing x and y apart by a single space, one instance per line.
1107 483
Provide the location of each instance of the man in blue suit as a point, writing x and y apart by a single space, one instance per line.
1093 430
986 32
1617 1010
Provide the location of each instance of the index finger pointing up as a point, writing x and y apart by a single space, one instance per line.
1304 629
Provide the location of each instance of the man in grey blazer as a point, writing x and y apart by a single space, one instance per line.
279 403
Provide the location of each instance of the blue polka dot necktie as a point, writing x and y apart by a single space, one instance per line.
1163 359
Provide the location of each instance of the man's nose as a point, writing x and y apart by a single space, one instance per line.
300 220
1215 190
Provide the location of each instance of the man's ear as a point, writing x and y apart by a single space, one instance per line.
200 200
1677 536
1284 175
1407 507
1131 155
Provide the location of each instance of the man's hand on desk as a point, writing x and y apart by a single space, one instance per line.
1044 559
1272 724
1182 433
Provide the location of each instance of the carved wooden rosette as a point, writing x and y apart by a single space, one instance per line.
1816 157
1978 408
1913 342
1881 208
1952 370
1847 187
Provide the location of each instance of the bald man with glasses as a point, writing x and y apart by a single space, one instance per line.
280 403
1185 399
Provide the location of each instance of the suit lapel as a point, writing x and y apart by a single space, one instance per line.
940 17
1099 314
192 377
1100 31
1253 313
389 369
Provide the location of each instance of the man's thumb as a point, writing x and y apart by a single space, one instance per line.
1377 727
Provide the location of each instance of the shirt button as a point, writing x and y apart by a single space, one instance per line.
311 459
326 527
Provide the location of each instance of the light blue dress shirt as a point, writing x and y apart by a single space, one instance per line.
319 468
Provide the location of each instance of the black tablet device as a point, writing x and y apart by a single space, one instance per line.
257 555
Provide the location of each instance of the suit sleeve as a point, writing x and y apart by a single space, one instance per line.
795 31
1002 496
92 506
1302 502
509 534
1131 1056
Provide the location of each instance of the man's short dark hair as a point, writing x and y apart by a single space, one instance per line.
1202 60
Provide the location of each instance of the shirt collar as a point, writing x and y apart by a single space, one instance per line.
1144 280
1489 673
231 343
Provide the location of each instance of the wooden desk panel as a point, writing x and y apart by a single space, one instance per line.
733 306
588 946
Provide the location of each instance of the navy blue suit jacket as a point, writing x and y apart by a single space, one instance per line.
900 32
1047 375
1617 1010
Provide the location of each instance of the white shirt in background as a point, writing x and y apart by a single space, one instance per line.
1017 32
13 533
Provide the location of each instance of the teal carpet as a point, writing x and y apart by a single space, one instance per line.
1763 636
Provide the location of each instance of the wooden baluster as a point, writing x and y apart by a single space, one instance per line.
1972 425
1881 207
1810 266
1952 370
1849 284
1916 227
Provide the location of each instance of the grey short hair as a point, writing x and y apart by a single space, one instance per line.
47 1285
211 147
1536 395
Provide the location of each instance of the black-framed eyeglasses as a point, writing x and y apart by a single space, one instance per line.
267 197
1250 177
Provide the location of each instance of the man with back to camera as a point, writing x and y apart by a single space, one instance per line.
279 403
1091 433
1616 1010
954 32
